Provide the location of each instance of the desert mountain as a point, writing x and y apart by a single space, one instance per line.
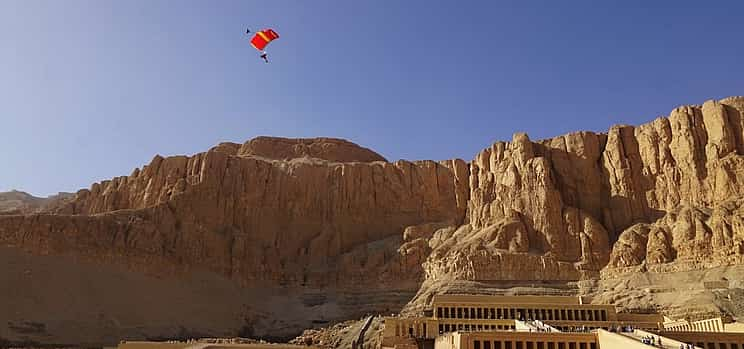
18 202
276 235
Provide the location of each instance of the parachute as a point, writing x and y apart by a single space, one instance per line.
263 38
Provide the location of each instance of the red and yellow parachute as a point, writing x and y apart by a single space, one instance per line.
263 38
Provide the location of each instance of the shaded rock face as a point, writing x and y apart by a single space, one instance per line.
325 219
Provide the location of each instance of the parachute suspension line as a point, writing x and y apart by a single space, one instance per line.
261 39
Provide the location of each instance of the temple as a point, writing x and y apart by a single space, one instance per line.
546 322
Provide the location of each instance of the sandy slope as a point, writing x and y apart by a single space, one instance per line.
52 299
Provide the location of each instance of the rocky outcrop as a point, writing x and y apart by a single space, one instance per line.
689 179
331 149
518 217
662 197
329 216
686 237
276 148
562 203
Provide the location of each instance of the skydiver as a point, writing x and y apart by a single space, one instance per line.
265 56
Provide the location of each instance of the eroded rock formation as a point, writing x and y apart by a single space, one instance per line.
660 193
347 232
331 225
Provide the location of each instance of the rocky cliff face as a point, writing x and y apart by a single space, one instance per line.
686 175
347 232
295 222
322 218
666 191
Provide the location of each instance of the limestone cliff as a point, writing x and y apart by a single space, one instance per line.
320 230
686 176
296 222
562 203
324 219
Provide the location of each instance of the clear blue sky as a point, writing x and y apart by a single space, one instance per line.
92 89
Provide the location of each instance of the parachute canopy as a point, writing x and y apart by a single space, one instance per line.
263 38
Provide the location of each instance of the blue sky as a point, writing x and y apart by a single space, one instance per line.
92 89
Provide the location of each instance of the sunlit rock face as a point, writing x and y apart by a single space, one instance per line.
304 232
319 220
664 192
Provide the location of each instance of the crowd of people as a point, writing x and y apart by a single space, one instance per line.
621 329
656 341
651 340
540 326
